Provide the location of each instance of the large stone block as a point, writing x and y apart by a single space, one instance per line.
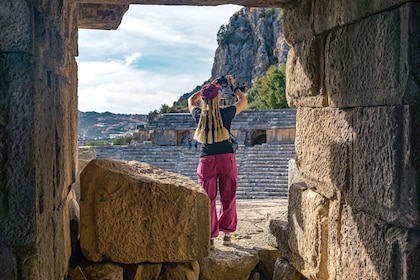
369 155
364 247
310 18
385 164
17 179
8 263
284 270
322 154
132 212
375 61
16 26
308 231
305 74
298 22
223 265
329 15
280 230
187 271
105 270
100 16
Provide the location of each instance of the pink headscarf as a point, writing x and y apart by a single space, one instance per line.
209 91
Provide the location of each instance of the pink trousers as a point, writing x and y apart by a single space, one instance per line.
220 171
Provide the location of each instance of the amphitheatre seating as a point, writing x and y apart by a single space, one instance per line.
249 119
262 168
280 118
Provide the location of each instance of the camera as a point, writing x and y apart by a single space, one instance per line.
227 96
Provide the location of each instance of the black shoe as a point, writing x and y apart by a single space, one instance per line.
226 239
211 243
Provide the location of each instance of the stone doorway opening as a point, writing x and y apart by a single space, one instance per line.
151 59
258 137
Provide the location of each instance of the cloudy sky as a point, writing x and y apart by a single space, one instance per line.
157 54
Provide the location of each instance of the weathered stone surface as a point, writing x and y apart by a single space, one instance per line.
35 166
100 16
265 266
328 15
187 271
384 170
283 270
366 162
370 46
309 18
298 21
76 273
71 225
105 270
357 80
132 212
280 229
293 173
86 153
304 78
364 247
321 144
228 265
16 27
143 271
72 229
17 219
76 185
308 231
7 264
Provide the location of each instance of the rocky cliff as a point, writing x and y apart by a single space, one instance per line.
251 42
248 45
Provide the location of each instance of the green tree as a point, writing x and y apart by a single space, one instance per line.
253 95
93 142
163 109
126 140
269 92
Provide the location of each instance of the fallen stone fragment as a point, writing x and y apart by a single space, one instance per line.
133 212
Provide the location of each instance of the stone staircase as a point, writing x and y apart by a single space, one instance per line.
249 119
262 169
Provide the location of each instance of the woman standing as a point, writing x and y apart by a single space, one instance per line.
217 165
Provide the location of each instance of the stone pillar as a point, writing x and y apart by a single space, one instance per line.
353 75
38 128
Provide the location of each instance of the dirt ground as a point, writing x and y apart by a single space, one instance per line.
253 220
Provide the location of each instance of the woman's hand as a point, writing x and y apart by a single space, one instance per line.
231 80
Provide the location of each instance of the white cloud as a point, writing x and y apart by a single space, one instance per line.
157 54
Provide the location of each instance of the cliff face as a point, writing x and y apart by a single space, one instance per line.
251 42
248 45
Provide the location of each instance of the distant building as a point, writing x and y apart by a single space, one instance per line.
250 128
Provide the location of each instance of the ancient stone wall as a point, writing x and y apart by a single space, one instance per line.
38 120
353 73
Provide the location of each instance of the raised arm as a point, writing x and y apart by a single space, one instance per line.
193 101
242 101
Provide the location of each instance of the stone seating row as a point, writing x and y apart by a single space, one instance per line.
262 169
249 119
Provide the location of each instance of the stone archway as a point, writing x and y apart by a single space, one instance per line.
258 137
353 74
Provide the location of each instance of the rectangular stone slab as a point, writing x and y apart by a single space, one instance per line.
133 212
375 61
367 155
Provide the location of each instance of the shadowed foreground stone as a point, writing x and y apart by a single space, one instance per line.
133 212
228 265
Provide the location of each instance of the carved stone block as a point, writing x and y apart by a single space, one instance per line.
133 212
